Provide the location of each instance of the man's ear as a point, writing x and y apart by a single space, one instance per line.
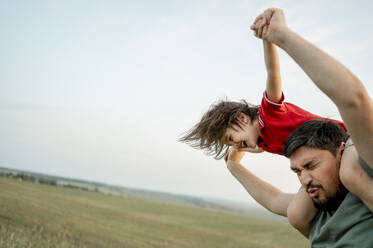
340 150
241 117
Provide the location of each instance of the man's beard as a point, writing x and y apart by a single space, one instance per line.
331 203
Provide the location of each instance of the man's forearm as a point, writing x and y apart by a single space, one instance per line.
333 78
264 193
339 84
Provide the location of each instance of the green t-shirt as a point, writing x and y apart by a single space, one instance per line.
351 225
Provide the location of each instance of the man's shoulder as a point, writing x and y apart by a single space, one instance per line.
349 224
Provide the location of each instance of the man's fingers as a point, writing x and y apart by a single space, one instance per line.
226 156
252 26
257 24
260 32
261 26
262 23
265 29
258 18
268 15
258 29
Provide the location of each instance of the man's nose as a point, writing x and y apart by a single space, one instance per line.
305 178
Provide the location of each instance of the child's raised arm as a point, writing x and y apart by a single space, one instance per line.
273 87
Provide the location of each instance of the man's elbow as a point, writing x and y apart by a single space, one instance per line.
355 97
298 221
294 218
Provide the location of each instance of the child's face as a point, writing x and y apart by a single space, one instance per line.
244 136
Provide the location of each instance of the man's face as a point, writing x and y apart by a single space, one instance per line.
318 172
242 136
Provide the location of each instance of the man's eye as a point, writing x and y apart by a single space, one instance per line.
310 166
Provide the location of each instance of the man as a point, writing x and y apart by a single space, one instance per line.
315 148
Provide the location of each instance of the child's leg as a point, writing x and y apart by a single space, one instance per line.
354 178
301 212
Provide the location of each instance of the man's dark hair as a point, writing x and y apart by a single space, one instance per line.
208 133
317 133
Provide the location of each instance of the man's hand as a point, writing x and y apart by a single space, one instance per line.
257 149
258 25
269 25
234 156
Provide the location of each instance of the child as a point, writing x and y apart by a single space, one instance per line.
249 127
265 128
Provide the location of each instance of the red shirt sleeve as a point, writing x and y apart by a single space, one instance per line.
270 109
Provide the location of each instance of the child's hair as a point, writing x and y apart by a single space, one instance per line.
208 133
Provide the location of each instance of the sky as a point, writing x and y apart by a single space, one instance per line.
103 90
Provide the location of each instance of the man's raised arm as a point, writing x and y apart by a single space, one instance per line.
333 78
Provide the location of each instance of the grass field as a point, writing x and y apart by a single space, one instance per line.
35 215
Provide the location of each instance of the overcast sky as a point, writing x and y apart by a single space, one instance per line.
102 90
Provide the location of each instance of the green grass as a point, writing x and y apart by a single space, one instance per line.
34 215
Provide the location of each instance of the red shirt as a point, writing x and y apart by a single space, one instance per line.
277 120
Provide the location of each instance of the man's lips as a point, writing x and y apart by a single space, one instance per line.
313 192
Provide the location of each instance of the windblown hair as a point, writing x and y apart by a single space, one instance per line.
317 133
207 134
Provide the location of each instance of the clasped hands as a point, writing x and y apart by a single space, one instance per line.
269 24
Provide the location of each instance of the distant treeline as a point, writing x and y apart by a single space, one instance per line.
28 177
